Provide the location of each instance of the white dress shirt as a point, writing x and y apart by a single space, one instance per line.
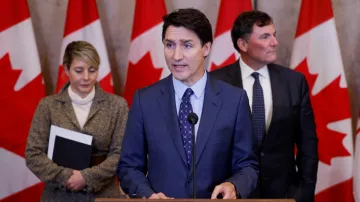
196 99
248 82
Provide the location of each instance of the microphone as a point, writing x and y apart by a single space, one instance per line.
193 119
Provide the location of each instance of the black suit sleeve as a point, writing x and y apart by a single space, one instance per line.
307 145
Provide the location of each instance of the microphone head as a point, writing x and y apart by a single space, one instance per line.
192 118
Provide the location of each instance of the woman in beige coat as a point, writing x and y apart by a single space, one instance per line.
81 106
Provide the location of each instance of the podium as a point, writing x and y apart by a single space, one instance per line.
190 200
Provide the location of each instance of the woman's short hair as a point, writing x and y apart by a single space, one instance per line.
81 50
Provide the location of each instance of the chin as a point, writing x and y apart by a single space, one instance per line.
180 76
271 60
87 91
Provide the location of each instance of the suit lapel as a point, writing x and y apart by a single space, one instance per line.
279 92
70 113
211 107
68 109
167 105
64 97
96 105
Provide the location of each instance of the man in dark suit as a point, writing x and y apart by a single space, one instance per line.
281 110
156 158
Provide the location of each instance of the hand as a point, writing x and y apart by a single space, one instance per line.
159 195
76 181
227 189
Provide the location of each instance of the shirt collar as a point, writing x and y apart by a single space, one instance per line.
246 71
198 87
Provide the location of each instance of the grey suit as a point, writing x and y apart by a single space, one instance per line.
106 123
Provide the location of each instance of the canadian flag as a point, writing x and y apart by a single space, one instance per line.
146 55
21 88
223 52
83 23
316 53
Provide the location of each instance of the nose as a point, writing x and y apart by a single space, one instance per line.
274 41
178 55
86 75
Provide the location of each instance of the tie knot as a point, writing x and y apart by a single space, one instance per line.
255 75
187 94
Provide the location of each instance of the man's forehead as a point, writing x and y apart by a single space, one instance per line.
270 28
179 34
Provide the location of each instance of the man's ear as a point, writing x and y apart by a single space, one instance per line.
242 44
206 49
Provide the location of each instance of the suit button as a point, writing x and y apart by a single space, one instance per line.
262 154
189 180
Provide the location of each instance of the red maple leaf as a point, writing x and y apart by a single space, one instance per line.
17 107
62 78
231 59
339 192
140 75
331 104
106 83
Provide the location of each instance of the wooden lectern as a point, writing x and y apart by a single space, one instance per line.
190 200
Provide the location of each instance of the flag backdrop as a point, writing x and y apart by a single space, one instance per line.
146 55
223 52
21 88
83 23
316 53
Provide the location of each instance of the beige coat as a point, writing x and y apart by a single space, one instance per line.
106 123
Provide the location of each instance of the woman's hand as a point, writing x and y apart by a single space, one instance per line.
76 181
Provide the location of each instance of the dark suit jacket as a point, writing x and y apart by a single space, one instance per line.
292 123
153 145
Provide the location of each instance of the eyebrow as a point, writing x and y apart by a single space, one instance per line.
168 40
79 67
267 34
182 40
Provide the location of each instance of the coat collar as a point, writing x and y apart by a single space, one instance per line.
67 108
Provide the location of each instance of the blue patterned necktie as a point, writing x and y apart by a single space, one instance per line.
258 110
185 126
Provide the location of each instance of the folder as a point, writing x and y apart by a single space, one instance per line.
70 149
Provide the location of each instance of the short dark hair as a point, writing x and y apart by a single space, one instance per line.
243 25
191 19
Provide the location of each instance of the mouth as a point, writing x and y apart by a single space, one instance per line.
179 66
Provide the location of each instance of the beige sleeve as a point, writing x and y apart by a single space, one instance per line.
36 150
